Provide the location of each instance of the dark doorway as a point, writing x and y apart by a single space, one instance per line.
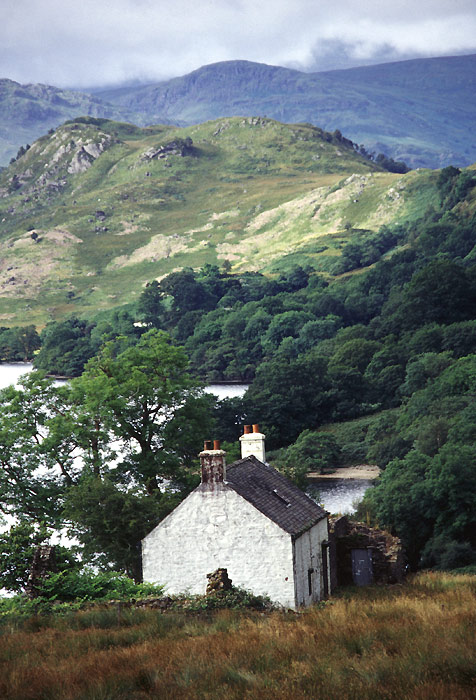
325 575
362 572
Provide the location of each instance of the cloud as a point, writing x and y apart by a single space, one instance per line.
98 42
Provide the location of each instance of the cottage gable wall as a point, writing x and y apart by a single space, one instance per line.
309 568
216 527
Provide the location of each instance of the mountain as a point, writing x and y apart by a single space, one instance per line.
28 111
421 111
96 209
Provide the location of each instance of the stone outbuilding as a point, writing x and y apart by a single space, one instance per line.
363 555
249 519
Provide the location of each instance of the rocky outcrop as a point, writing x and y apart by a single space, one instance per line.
86 154
178 147
65 153
81 161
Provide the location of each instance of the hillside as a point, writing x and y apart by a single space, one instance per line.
414 641
93 211
420 111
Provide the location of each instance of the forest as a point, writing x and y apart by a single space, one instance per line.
376 362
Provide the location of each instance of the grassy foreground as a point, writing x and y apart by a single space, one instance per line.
410 641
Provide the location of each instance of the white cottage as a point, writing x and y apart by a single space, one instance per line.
249 519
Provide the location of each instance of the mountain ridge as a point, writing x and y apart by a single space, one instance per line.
398 108
425 119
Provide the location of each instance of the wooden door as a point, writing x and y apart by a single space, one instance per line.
362 573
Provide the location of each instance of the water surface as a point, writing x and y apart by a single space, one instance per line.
339 495
10 372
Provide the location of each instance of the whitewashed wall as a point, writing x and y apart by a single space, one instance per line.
218 528
308 555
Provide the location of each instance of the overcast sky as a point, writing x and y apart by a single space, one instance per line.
81 43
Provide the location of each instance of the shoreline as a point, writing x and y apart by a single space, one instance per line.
359 471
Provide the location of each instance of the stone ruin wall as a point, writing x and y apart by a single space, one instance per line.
44 562
388 559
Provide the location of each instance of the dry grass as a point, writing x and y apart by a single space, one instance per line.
414 641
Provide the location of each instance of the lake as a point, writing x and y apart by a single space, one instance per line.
11 372
336 495
339 495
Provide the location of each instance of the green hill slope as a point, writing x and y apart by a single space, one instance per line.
420 111
93 211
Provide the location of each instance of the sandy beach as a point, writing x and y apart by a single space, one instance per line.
359 471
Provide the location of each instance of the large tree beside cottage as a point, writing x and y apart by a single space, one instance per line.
109 454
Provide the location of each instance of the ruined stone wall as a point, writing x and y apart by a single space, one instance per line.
44 562
216 527
388 559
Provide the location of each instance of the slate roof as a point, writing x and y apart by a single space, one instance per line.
274 495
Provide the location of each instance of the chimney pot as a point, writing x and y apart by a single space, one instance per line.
213 465
252 443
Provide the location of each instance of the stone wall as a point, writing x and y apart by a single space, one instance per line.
44 562
387 553
309 569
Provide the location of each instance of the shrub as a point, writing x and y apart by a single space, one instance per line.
234 599
444 554
87 585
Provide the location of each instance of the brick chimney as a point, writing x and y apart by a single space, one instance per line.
212 461
252 443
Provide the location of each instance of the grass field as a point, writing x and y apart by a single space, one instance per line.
413 641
